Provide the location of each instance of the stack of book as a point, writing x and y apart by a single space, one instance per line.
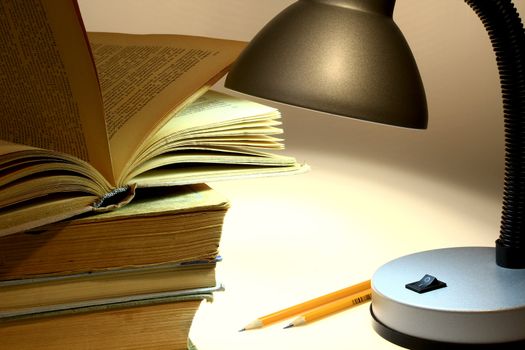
129 278
108 237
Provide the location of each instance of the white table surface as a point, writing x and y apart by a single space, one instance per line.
289 239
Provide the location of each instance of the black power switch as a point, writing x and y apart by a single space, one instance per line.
426 284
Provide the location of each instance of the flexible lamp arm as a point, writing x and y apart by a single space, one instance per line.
507 36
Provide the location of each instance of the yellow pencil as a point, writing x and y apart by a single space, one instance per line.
331 308
305 306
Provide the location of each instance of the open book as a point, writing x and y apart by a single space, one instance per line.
85 118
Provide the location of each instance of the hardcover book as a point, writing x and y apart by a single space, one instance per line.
148 323
161 226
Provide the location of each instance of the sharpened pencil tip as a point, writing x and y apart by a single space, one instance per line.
242 330
289 326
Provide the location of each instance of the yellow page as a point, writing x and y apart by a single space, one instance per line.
7 148
145 79
210 150
215 109
19 162
32 188
213 116
216 172
223 162
23 176
42 212
49 89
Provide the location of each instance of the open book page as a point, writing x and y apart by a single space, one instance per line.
29 172
41 186
145 79
216 112
217 129
48 84
212 172
42 212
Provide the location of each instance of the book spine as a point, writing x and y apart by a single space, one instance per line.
115 199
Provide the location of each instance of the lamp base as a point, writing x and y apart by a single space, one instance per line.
482 305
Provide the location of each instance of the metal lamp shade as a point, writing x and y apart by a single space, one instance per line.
342 57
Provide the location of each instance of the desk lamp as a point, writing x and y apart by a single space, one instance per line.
349 58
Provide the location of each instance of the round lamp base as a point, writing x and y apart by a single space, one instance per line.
458 297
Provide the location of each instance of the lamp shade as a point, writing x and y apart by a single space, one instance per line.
344 57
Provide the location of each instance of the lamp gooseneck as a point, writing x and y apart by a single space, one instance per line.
507 36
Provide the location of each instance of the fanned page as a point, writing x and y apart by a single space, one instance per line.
48 85
40 186
217 137
146 79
